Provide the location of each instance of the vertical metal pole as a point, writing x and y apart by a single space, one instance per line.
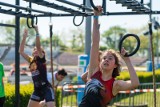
150 19
17 58
84 4
104 6
88 31
30 6
153 68
142 2
150 15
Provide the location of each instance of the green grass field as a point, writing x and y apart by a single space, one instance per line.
143 99
139 99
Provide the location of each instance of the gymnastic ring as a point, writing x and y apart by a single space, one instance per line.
137 47
75 22
32 21
92 4
28 22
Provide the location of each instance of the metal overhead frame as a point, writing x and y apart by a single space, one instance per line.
20 14
61 8
134 5
83 6
71 12
7 25
137 7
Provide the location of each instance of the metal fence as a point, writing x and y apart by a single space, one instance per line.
143 96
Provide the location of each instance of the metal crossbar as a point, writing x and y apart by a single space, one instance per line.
76 5
7 25
137 7
134 5
56 6
20 14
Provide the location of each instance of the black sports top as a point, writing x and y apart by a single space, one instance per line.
39 72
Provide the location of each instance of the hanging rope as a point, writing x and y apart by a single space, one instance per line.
152 55
51 56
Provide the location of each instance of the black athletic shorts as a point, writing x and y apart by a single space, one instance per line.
92 95
44 93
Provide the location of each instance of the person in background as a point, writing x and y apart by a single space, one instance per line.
58 76
24 71
12 71
2 92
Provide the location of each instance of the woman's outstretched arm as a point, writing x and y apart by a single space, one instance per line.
94 53
38 43
122 85
22 46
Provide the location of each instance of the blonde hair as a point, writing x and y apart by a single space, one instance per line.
36 48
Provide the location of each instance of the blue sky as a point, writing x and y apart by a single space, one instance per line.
63 25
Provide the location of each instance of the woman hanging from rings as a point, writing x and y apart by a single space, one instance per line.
42 88
101 85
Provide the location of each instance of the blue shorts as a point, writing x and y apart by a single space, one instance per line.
46 94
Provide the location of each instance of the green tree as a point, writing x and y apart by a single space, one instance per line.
144 43
9 38
56 42
10 32
112 36
77 42
156 36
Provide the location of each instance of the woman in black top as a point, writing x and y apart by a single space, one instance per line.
42 88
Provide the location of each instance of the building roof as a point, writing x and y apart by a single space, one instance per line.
67 59
60 58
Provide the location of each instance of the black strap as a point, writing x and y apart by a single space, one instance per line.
34 21
94 6
79 23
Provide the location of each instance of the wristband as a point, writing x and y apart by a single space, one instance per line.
95 17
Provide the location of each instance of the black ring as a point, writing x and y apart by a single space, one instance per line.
28 22
137 47
32 22
92 4
79 23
